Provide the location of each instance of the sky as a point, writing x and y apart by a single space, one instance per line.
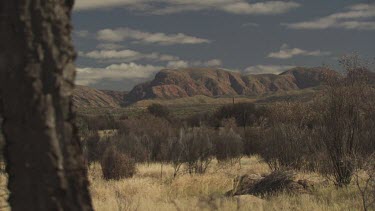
121 43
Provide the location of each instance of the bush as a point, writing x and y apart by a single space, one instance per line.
146 135
202 119
289 141
253 141
158 110
105 121
91 147
116 165
173 153
228 145
246 114
346 121
197 149
288 146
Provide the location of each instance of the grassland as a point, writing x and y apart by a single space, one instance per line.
151 190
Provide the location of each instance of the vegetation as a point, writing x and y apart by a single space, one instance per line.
158 110
328 141
116 165
331 135
148 191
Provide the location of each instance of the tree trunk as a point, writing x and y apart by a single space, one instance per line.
43 152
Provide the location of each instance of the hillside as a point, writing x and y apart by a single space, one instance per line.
179 83
86 97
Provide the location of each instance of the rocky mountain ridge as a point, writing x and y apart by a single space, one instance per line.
215 82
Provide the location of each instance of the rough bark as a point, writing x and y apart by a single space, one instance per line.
43 152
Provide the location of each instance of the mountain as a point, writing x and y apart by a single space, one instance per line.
214 82
85 97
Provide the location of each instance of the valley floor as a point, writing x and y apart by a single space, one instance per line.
149 190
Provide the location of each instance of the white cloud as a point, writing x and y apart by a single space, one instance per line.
178 64
109 46
270 7
286 53
185 64
162 7
115 75
126 75
213 63
267 69
121 34
126 55
352 18
359 25
114 54
96 4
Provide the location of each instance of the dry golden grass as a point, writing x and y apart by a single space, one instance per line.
147 190
3 191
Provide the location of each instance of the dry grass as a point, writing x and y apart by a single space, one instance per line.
3 189
148 191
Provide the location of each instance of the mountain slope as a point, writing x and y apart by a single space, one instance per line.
177 83
85 97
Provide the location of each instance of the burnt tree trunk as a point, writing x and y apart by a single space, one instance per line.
43 152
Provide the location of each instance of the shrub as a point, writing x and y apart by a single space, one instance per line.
158 110
253 141
202 119
344 123
289 141
116 165
105 121
173 153
139 147
197 149
90 147
228 145
365 181
94 147
246 114
146 134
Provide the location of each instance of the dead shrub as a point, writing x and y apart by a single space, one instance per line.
344 124
116 165
276 181
197 149
228 145
253 140
144 137
365 181
290 139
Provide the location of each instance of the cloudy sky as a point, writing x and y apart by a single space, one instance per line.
121 43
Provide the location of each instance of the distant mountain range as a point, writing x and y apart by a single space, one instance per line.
177 83
211 82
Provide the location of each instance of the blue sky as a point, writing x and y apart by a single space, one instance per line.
121 43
